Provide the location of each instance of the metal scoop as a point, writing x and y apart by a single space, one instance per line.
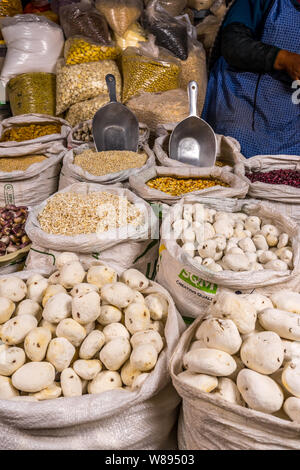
193 141
115 127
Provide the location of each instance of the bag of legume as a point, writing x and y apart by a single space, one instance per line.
33 129
160 108
114 419
132 37
85 164
85 110
173 7
34 44
75 83
148 69
29 174
127 228
82 133
193 286
79 49
32 93
159 183
120 14
228 149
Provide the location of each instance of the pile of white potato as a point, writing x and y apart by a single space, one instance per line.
77 332
231 241
247 351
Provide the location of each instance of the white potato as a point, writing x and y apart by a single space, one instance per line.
219 334
101 275
135 279
106 380
137 318
285 324
87 369
202 382
11 359
7 390
239 366
291 350
36 290
117 294
129 373
252 224
91 344
158 306
33 377
109 314
51 290
260 242
65 258
283 240
139 380
54 278
276 265
143 357
82 289
209 361
291 378
29 307
259 301
14 330
36 343
189 249
115 330
86 309
115 353
13 288
58 307
7 308
49 326
260 392
286 300
147 337
292 408
71 274
71 330
71 384
48 393
60 353
277 376
157 326
197 344
227 390
138 297
89 327
247 245
262 352
236 262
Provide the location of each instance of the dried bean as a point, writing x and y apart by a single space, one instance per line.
177 186
30 131
287 177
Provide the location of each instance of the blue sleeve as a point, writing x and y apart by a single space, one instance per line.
248 12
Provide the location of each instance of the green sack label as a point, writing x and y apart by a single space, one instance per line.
197 282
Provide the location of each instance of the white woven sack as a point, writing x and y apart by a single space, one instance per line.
208 423
238 188
71 173
27 119
38 182
144 133
228 148
116 419
271 192
193 287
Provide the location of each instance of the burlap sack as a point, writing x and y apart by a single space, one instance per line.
144 133
33 144
193 287
237 188
265 163
208 423
39 181
71 173
127 248
113 420
228 149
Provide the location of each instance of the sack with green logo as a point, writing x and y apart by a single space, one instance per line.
193 286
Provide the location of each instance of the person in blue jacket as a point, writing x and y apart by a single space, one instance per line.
253 89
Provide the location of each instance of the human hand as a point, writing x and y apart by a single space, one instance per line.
290 62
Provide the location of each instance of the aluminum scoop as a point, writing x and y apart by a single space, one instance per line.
193 141
115 127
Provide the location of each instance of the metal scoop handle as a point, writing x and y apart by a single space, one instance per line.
111 86
193 96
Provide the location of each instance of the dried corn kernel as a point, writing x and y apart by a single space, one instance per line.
178 186
30 131
112 161
8 164
80 50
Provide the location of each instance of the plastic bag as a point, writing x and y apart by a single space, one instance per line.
160 108
194 68
32 93
120 14
34 44
131 37
10 7
85 109
83 20
173 7
79 50
148 69
200 4
169 32
57 4
80 82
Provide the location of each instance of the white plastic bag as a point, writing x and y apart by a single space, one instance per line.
34 44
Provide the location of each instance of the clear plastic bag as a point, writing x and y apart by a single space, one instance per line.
131 37
34 44
173 7
120 14
57 4
85 110
169 32
200 4
79 50
84 20
81 82
32 93
148 69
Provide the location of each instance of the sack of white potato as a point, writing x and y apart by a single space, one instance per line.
212 244
228 149
27 176
237 371
105 223
215 182
84 360
109 167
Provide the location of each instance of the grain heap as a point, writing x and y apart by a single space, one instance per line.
112 161
74 214
9 164
30 131
177 186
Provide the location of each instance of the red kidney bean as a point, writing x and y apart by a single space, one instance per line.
287 177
